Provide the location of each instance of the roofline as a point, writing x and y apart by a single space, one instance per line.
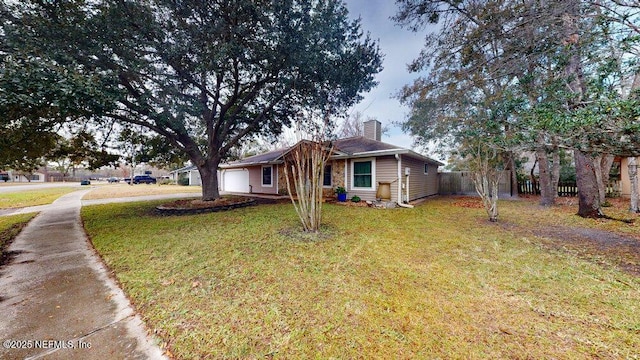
253 163
184 168
397 151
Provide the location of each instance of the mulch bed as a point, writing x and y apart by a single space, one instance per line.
351 203
197 206
469 202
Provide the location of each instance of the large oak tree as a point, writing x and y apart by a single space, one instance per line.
204 74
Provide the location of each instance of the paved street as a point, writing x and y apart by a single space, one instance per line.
17 187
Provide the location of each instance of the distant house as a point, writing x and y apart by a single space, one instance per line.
625 182
40 175
189 173
359 164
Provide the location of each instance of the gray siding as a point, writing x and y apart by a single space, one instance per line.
194 178
255 180
386 169
420 184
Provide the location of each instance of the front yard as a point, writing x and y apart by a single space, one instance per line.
33 197
125 190
437 281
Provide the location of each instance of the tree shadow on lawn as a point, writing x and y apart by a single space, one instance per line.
605 248
599 245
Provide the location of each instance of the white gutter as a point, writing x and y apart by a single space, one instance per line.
407 186
345 175
399 193
244 165
378 152
398 151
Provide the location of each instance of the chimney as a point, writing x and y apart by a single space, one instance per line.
373 130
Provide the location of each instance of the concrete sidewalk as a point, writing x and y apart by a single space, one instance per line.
57 300
40 208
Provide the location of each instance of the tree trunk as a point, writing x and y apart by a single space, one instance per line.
548 189
588 196
633 178
304 171
604 162
555 171
511 166
209 177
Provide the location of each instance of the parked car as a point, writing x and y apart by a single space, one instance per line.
144 179
85 182
113 180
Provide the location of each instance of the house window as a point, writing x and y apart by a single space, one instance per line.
363 174
426 168
267 178
34 177
326 181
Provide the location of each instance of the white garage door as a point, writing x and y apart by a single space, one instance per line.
235 180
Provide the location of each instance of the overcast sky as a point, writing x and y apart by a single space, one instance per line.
399 46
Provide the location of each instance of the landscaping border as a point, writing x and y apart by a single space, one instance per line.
167 211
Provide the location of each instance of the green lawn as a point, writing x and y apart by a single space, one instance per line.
32 197
438 281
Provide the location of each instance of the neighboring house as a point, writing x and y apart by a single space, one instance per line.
40 175
625 182
190 173
359 164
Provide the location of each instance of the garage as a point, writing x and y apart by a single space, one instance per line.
235 180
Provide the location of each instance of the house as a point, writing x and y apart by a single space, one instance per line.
359 164
623 169
189 173
40 175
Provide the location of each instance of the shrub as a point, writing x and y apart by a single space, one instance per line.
183 180
355 199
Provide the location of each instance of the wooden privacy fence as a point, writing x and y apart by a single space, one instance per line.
567 189
461 183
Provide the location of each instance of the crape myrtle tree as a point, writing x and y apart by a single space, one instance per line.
304 166
206 74
558 74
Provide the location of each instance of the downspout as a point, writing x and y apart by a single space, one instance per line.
400 203
407 176
345 175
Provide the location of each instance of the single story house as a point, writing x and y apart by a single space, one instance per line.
625 181
40 175
360 164
190 173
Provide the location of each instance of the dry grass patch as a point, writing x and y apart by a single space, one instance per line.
126 190
437 281
33 197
